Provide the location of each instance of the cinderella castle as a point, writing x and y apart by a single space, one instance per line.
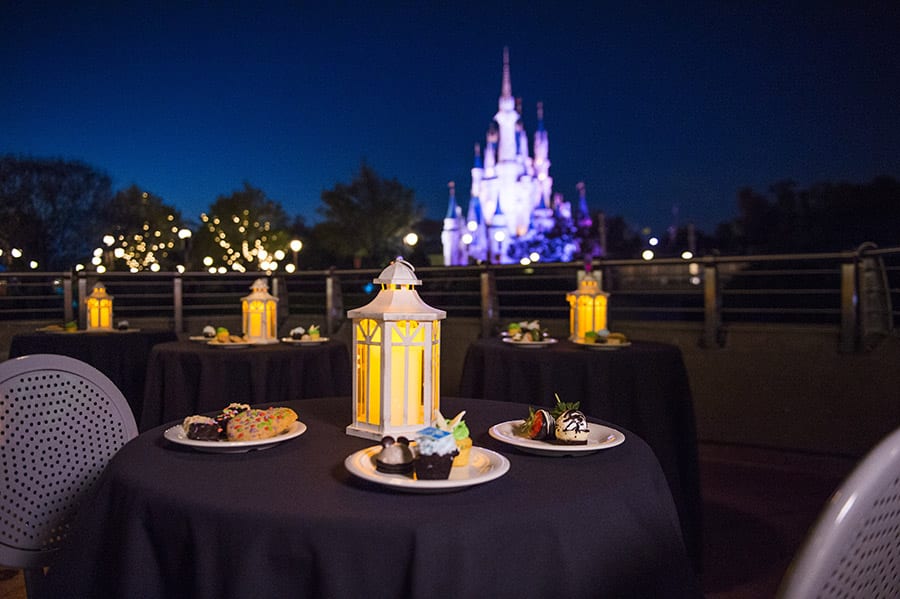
513 213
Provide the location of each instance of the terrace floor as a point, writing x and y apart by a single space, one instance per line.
758 506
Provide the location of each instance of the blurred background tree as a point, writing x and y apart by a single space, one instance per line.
365 222
143 233
244 231
49 211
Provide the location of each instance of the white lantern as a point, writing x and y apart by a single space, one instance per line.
587 307
396 351
99 309
260 313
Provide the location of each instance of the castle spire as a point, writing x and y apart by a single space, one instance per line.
506 87
452 206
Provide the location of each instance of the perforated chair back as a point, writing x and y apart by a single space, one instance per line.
61 421
854 548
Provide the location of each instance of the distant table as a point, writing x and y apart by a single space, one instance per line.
643 387
188 377
120 355
291 521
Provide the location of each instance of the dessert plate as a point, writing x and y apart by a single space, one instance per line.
229 344
530 344
200 338
602 346
484 465
176 434
304 341
599 437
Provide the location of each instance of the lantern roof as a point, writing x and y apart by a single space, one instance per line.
260 291
588 285
398 272
395 302
99 291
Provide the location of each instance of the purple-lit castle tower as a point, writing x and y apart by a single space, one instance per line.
512 196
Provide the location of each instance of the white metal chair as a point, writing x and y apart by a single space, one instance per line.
854 548
61 421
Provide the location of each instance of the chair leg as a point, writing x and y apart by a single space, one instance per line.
34 583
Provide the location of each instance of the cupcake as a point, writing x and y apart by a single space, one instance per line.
435 450
297 333
395 457
209 332
314 332
457 427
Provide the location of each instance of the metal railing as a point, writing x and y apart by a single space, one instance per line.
855 291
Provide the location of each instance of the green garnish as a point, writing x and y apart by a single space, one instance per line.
562 406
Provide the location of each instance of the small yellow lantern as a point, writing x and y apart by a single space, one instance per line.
260 311
587 307
396 349
99 309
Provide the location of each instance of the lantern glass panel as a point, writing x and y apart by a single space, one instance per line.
271 319
368 382
407 372
436 365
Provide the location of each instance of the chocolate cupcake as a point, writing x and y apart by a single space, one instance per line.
435 450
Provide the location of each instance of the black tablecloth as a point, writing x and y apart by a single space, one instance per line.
643 387
120 355
290 521
187 377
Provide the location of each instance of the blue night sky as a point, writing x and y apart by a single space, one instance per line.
652 106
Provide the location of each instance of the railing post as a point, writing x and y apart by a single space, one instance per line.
178 302
334 302
82 294
68 312
712 306
489 308
849 299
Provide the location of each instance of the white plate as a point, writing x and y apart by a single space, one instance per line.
484 465
200 338
603 346
599 437
229 345
303 341
177 435
531 344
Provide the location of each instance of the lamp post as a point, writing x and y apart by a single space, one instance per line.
185 236
296 245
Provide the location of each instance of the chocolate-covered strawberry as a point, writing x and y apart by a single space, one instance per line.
539 425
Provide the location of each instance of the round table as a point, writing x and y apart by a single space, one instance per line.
120 355
190 377
643 387
290 521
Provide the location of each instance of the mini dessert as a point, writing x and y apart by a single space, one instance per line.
71 326
539 425
201 428
457 427
314 332
527 331
222 335
209 332
572 428
297 333
395 457
435 450
123 325
616 339
590 337
254 425
230 411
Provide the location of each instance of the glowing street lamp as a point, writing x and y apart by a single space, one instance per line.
396 351
296 245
